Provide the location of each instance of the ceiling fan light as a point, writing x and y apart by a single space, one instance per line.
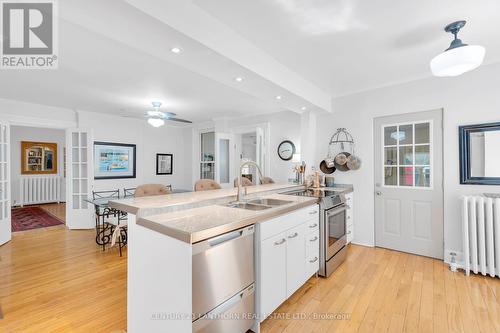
154 113
156 122
457 61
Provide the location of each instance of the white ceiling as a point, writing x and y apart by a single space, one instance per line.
115 54
347 46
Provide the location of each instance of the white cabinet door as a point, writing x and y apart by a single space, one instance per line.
273 273
295 258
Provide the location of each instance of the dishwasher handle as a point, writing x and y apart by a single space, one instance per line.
224 238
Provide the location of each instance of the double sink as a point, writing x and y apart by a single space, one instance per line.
258 204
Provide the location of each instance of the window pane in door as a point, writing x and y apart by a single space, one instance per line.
390 138
405 134
422 155
406 155
390 176
423 176
422 133
390 156
406 176
223 160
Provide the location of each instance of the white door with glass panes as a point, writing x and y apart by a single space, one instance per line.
79 179
5 222
408 183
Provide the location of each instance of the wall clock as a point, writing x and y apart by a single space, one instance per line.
286 149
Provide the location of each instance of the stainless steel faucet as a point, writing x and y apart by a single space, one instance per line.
240 192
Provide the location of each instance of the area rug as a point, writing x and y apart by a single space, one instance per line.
27 218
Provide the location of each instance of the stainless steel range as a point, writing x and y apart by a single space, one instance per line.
332 241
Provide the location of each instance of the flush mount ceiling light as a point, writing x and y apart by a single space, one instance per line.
278 97
459 57
303 108
238 79
176 50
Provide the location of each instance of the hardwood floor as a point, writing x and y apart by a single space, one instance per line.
56 280
56 209
379 290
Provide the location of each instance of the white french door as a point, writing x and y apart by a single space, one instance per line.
408 183
5 222
79 179
224 157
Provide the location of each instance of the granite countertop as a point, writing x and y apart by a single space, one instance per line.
197 224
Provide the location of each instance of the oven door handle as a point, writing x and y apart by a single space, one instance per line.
336 211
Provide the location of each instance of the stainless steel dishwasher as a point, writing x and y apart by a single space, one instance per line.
223 283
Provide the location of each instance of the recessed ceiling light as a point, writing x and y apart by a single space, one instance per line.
238 79
176 50
303 108
278 97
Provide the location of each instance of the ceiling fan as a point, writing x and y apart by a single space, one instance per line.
156 118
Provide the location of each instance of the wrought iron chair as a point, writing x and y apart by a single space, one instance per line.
129 192
108 229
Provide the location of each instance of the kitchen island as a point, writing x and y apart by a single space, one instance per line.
168 237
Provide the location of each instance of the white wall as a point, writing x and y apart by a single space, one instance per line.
23 133
468 99
283 126
148 141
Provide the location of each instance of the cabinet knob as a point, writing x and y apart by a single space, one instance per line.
313 260
314 239
349 232
293 236
313 212
280 242
313 225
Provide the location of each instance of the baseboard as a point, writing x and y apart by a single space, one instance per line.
362 244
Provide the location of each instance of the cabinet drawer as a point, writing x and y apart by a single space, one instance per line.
349 233
312 245
281 223
312 225
312 266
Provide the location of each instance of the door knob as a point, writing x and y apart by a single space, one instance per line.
378 193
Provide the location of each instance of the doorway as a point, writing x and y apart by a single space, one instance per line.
37 174
409 183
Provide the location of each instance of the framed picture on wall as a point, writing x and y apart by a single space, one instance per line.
38 158
114 160
164 164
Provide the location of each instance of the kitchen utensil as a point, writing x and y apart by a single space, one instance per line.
342 167
353 162
323 166
341 159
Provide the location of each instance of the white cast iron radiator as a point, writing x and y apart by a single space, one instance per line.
40 189
481 234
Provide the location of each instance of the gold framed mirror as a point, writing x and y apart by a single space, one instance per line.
38 158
